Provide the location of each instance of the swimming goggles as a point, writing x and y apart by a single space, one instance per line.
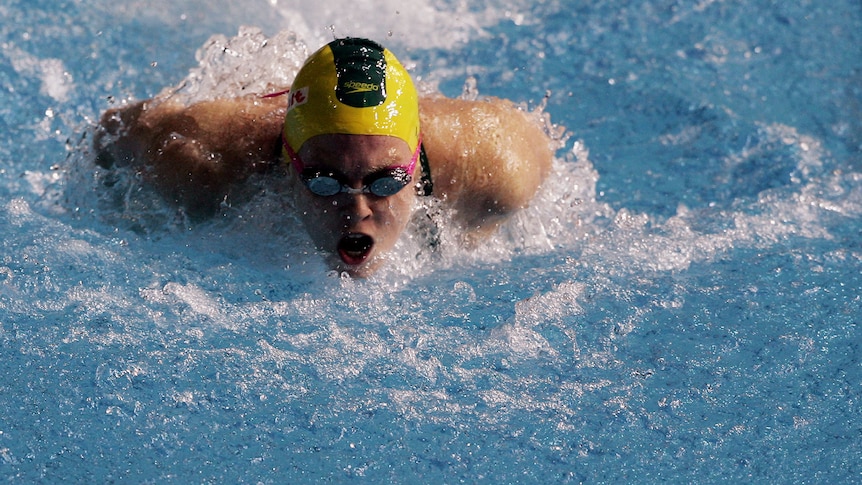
384 183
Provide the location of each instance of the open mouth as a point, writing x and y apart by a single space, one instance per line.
355 248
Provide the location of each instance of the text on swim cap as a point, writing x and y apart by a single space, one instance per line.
359 87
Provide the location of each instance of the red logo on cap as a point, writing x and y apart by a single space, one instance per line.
298 97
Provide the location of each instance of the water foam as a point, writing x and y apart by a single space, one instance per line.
415 26
56 81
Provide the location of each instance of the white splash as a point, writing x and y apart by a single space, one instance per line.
56 80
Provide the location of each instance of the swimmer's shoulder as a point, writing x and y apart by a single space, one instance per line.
239 130
488 157
193 154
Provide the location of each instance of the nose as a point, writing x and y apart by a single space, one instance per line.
355 207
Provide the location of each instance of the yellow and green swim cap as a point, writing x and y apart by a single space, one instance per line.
352 86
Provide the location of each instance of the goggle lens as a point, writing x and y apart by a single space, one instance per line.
322 185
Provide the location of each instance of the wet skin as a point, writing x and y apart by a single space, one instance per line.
355 229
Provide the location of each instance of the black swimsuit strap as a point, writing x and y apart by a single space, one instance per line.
426 186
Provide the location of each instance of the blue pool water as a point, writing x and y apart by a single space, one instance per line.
681 303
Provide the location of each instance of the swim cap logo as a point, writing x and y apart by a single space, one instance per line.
358 87
361 71
297 98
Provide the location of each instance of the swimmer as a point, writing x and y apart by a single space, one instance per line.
358 146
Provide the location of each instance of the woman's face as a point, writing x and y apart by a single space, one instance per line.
355 228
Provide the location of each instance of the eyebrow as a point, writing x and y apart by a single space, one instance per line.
301 167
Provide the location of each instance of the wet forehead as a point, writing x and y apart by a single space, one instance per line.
355 156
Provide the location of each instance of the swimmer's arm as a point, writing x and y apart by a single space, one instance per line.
487 157
193 154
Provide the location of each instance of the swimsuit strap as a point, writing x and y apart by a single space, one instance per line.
425 184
